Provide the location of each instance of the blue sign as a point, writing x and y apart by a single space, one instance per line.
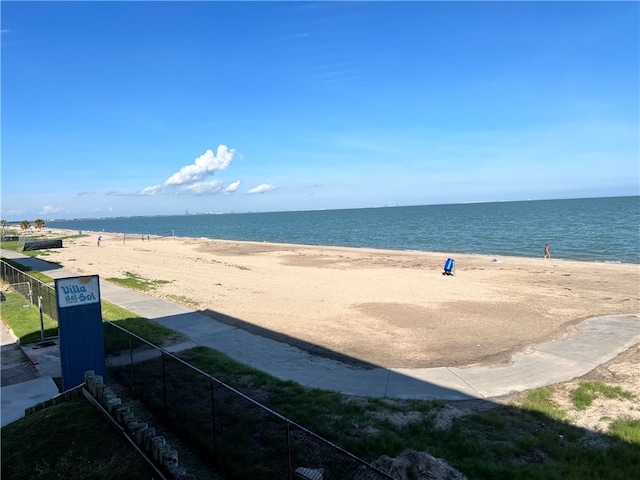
80 328
77 291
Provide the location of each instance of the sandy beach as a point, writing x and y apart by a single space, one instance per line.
388 308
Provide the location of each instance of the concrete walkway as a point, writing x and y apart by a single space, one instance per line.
597 341
22 385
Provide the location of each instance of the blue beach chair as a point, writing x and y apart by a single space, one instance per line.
448 266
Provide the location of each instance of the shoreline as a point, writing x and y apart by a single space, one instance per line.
133 236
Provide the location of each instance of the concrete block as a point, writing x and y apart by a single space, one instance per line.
127 417
169 457
107 394
156 444
98 380
304 473
97 391
131 423
121 412
148 435
139 432
112 404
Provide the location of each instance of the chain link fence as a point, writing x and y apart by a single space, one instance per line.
238 436
39 289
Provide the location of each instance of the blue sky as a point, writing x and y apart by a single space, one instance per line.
146 108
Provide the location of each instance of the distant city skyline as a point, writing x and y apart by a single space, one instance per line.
116 109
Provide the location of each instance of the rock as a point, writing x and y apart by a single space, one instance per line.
411 465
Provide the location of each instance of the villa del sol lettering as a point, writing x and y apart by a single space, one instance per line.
77 293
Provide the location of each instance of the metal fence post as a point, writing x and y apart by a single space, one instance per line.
213 421
131 369
164 391
289 450
41 318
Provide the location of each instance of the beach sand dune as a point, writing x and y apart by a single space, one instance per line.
387 308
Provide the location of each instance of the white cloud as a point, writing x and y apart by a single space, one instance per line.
190 176
292 36
151 190
264 188
50 209
200 188
232 187
13 212
202 167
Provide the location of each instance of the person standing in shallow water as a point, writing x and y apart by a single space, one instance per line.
547 253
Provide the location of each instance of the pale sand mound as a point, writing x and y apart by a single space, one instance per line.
388 308
410 465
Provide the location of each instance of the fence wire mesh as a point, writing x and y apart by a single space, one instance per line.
12 275
235 434
24 289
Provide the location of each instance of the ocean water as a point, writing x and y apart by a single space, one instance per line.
591 229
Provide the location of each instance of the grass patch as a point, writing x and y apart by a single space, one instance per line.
24 318
72 440
16 246
73 237
303 405
182 300
539 401
583 396
143 327
627 429
502 443
137 282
